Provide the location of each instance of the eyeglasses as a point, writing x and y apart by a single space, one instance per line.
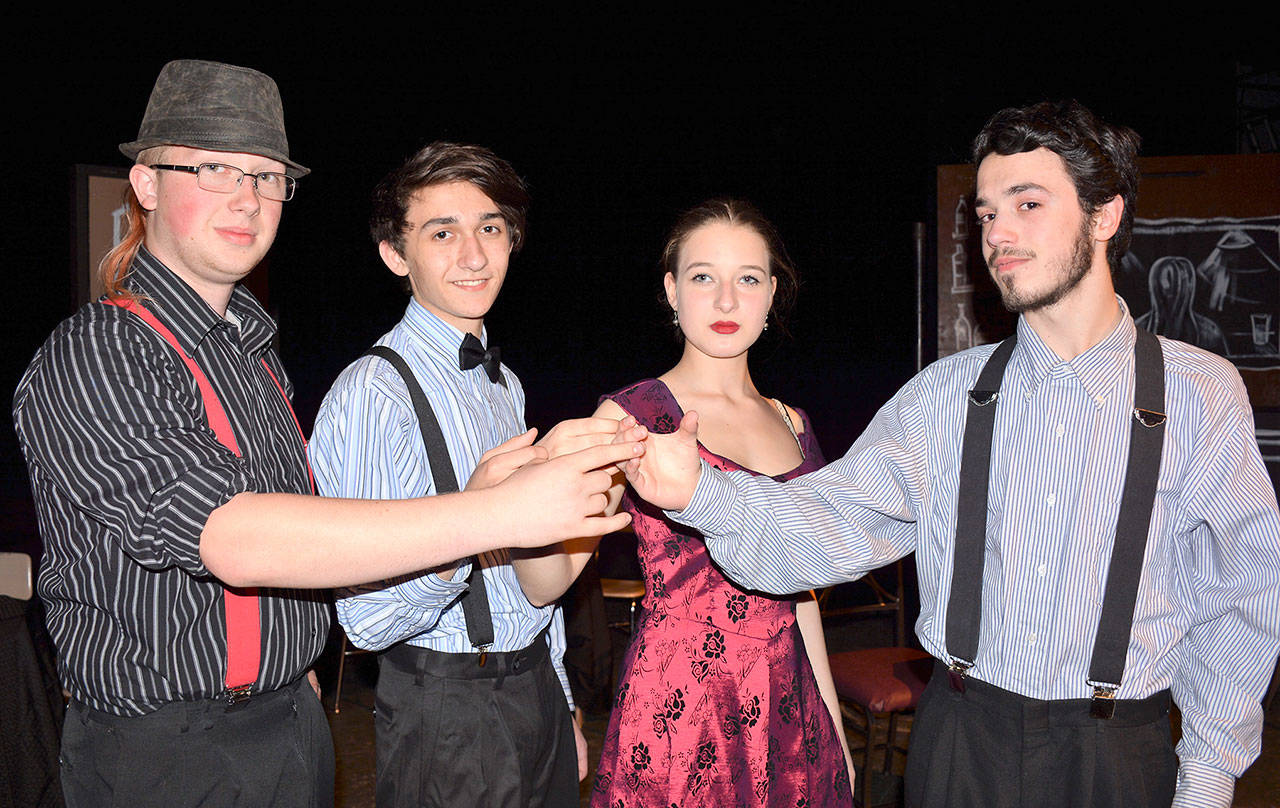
225 179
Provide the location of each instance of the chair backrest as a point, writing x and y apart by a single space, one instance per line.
880 592
15 575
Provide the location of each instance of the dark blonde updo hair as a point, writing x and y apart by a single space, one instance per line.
738 213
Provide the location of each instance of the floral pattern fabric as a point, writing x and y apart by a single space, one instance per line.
717 704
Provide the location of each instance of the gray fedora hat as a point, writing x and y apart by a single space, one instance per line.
210 105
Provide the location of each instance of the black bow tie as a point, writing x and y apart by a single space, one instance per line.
472 353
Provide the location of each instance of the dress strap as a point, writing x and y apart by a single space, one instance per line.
786 417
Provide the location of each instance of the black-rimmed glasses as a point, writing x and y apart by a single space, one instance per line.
224 179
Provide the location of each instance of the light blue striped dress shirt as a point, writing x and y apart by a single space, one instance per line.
367 445
1207 620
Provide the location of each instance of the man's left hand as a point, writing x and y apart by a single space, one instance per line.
582 433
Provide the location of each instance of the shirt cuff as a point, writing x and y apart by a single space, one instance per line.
1202 786
432 591
709 507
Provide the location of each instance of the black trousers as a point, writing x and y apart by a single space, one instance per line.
274 749
452 733
992 748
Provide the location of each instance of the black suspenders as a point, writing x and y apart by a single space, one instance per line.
1146 442
475 601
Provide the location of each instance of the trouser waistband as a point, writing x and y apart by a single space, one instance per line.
1056 712
186 711
484 665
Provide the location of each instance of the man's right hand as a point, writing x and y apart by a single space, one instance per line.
667 473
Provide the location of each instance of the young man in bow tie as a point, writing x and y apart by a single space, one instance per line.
473 701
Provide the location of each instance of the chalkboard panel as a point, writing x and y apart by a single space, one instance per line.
1203 266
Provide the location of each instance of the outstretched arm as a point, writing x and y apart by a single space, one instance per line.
289 540
545 574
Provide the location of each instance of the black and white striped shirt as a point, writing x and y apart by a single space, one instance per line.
125 472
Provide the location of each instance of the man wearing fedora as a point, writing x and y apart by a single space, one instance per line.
186 560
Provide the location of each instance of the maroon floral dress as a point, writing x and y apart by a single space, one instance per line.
717 704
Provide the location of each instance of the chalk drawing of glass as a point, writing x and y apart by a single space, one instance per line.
1261 328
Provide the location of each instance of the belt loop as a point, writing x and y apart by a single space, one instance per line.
419 669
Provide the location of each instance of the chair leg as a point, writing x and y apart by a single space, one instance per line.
889 741
866 756
342 663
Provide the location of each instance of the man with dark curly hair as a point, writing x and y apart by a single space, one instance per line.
1094 531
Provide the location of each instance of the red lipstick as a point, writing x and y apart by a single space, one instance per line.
724 327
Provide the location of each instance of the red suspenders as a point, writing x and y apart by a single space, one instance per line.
244 627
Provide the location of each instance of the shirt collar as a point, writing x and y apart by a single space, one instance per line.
1098 369
436 335
187 315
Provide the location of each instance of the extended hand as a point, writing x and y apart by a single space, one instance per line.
564 497
582 433
667 473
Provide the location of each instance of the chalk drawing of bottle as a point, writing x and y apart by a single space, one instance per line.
960 282
119 225
964 330
960 228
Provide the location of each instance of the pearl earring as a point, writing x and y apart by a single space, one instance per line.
675 317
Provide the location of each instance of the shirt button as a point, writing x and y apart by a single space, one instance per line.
1061 429
1031 638
1041 570
1051 500
1101 399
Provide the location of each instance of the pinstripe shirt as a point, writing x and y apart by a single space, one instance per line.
1207 620
125 472
366 444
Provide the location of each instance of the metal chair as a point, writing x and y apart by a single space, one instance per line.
879 683
623 589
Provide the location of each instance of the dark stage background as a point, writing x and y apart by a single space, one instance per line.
618 120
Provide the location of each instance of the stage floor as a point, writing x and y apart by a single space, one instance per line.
353 733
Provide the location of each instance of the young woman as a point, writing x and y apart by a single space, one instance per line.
725 696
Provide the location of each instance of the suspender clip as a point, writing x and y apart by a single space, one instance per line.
484 654
238 694
1148 418
957 669
983 397
1104 702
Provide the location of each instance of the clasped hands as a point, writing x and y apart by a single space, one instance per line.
561 480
